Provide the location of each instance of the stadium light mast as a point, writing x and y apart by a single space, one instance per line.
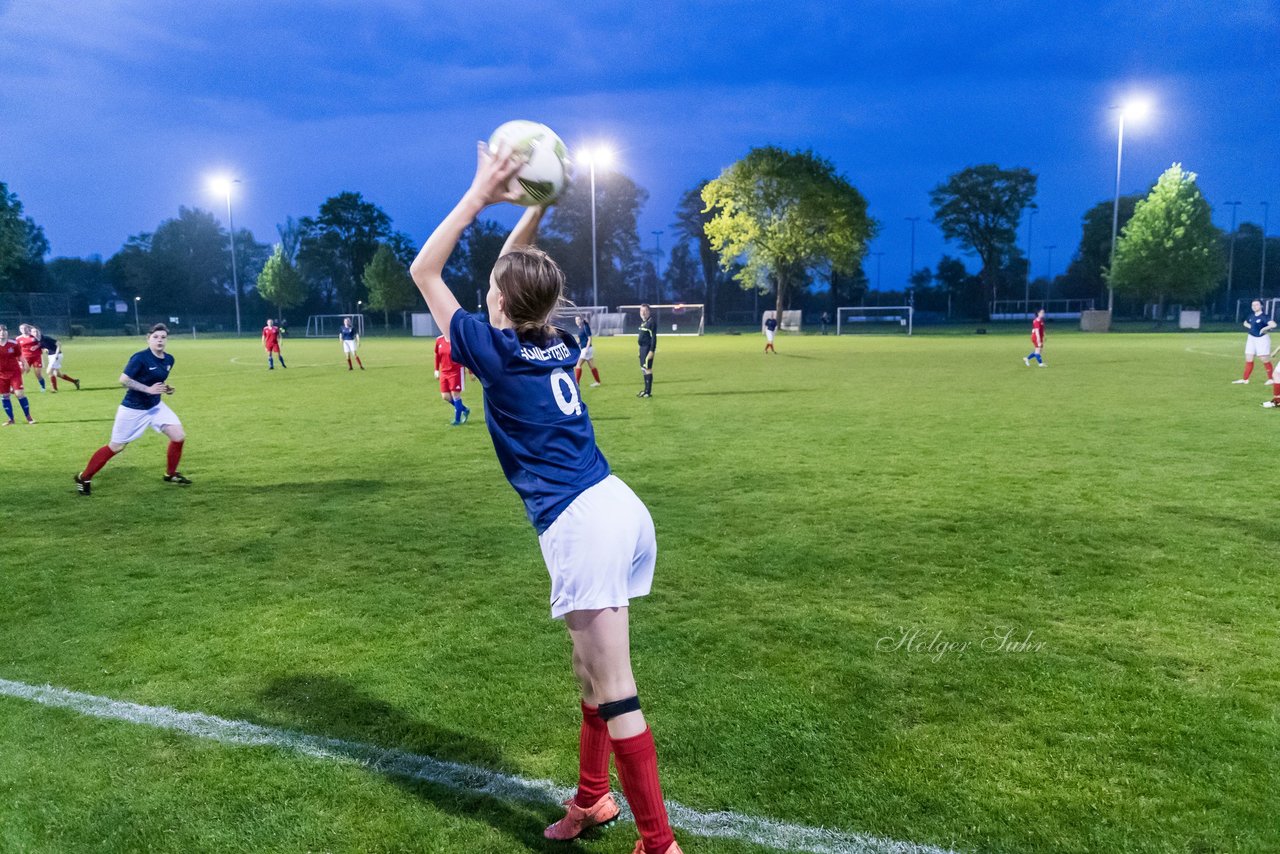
601 156
1231 253
1262 277
1137 109
1026 293
911 271
222 185
136 325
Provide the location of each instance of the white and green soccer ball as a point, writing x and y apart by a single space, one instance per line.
546 173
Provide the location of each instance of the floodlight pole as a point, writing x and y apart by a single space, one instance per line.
136 324
1115 217
235 278
595 282
1048 279
1231 253
1026 294
912 270
1262 277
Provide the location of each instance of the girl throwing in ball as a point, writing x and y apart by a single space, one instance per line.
597 537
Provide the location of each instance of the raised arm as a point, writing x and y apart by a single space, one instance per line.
526 231
488 186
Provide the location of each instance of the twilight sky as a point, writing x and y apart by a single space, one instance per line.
115 112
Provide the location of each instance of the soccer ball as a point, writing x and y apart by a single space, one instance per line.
541 180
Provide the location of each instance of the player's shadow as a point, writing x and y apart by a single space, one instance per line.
426 758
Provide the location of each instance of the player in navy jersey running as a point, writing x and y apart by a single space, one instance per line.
647 338
146 377
597 537
588 351
770 329
1258 343
350 343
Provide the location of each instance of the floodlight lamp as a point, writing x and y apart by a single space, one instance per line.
1136 109
221 185
600 156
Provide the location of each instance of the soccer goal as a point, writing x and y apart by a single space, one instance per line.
679 319
603 322
327 325
874 318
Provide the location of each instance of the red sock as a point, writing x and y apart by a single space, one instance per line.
175 454
360 363
593 758
577 375
97 461
595 374
637 761
1248 369
70 379
1266 365
349 368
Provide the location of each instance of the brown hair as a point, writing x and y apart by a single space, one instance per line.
159 327
532 286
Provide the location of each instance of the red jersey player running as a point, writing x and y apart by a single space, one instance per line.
1037 340
450 375
271 340
11 367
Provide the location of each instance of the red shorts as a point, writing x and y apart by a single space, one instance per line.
10 382
1035 343
273 348
451 381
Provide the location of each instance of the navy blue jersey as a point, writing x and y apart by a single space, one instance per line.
771 324
145 367
49 344
348 333
1258 323
539 425
584 335
648 335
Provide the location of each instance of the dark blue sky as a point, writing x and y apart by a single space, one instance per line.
114 114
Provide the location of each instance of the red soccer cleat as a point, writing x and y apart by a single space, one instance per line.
578 820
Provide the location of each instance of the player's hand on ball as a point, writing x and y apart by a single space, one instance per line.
493 173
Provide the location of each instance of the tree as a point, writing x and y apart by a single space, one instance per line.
467 271
684 275
338 244
280 283
1086 272
83 280
618 204
22 244
980 207
1170 249
787 213
692 217
389 284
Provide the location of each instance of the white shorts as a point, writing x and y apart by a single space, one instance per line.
132 423
588 352
600 551
1260 346
348 346
55 362
768 334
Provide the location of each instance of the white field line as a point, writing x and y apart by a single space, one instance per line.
470 779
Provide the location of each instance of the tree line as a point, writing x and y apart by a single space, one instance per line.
781 224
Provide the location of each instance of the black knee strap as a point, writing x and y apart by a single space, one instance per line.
609 711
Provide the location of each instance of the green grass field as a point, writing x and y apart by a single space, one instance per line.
346 565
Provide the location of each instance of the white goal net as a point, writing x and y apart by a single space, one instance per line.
327 325
874 318
603 322
677 319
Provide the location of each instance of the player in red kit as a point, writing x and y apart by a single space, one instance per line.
271 341
450 375
29 340
1037 340
11 367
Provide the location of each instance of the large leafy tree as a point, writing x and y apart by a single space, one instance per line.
389 284
618 204
979 207
786 214
467 271
692 217
280 283
1087 270
22 244
337 245
1170 249
190 264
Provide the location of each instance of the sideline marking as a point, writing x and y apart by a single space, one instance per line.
1200 352
454 775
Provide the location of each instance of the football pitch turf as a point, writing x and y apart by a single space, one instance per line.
906 588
